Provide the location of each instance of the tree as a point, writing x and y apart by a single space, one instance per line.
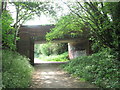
104 29
7 31
100 18
26 10
67 26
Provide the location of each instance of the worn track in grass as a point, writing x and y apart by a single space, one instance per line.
50 75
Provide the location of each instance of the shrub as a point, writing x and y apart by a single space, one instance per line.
45 49
17 71
61 57
101 69
8 31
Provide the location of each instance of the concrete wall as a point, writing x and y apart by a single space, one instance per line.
76 49
25 46
30 34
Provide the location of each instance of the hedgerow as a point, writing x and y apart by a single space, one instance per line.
16 70
101 69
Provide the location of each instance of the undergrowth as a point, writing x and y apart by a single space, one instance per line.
62 57
16 70
101 69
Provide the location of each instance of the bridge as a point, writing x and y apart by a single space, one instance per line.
35 34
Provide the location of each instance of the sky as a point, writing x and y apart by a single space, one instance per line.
42 20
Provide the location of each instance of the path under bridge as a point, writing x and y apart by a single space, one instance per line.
35 34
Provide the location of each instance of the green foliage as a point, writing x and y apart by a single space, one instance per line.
7 31
45 50
16 70
50 48
61 58
100 18
28 10
105 30
101 69
67 26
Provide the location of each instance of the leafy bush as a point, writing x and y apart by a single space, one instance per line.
8 32
45 49
101 69
16 70
61 57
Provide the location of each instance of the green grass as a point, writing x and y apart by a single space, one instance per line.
62 57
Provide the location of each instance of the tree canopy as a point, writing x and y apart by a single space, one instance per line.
100 17
24 12
7 31
67 26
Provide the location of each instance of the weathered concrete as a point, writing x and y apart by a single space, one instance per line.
29 35
76 49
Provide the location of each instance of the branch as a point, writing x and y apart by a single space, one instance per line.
20 19
72 10
95 21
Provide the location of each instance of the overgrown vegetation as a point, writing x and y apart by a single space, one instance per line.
101 69
101 19
67 26
25 11
61 57
8 31
50 49
16 70
98 18
51 52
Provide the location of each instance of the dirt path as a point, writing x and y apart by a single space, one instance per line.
49 75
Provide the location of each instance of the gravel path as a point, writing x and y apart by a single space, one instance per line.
49 75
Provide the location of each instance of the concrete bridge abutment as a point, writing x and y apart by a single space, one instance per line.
29 35
76 49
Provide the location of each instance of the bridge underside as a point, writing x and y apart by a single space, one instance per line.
80 40
30 35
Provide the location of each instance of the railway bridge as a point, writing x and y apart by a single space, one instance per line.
35 34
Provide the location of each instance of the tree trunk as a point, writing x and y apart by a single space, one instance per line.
16 24
3 6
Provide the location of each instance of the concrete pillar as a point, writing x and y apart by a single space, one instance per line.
31 52
76 49
25 46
